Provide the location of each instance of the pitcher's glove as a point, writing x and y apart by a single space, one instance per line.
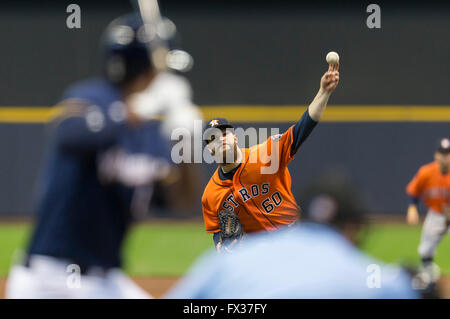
230 231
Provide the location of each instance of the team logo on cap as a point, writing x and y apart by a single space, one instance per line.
276 137
213 123
445 143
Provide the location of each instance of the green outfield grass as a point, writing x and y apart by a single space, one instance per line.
168 249
398 243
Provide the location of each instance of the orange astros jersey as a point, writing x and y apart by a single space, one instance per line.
432 185
262 202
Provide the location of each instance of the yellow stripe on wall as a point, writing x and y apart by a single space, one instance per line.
28 114
289 114
268 113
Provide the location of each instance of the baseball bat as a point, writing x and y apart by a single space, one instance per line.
151 16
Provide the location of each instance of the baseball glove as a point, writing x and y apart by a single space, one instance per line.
230 231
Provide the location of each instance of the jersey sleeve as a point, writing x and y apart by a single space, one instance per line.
85 128
286 145
415 187
277 147
210 217
84 125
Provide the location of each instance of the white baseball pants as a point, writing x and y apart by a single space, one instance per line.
434 229
51 278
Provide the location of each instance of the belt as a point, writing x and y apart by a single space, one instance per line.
83 270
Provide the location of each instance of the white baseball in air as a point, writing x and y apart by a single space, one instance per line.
332 58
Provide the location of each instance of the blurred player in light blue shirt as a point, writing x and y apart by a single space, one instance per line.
316 259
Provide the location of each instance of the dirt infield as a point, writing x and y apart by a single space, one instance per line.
444 287
158 286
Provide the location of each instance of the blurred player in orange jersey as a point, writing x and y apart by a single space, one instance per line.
432 182
243 183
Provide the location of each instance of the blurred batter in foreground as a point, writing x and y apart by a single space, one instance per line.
432 183
103 162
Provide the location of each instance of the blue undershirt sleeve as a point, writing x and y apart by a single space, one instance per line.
301 131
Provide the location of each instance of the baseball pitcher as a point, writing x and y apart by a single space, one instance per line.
243 196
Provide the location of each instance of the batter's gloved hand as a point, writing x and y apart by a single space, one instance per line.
230 231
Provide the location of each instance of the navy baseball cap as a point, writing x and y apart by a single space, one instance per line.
215 123
443 146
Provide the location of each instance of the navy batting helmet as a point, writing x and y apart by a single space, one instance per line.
126 46
125 49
